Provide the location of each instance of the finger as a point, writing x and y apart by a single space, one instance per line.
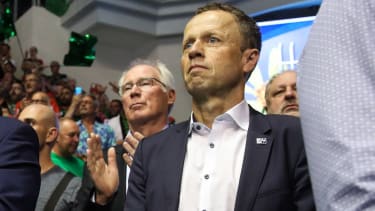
138 136
129 148
128 159
132 141
112 163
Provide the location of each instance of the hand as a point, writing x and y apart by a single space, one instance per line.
130 145
105 176
76 100
114 87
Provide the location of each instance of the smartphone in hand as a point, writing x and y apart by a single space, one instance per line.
78 90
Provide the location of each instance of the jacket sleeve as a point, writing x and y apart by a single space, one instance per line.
19 166
136 195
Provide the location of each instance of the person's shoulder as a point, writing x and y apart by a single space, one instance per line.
114 120
13 125
169 133
9 121
278 120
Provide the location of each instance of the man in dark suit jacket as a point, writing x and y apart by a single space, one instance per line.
147 90
19 165
227 156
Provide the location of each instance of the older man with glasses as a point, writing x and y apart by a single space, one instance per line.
147 91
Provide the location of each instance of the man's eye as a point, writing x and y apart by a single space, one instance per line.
278 92
145 83
29 122
127 87
213 40
187 45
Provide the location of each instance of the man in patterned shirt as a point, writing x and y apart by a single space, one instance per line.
88 124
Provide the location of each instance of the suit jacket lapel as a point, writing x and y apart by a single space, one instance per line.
174 163
258 147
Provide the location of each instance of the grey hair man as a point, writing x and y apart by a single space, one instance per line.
148 94
281 94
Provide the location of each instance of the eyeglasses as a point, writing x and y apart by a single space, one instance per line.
144 84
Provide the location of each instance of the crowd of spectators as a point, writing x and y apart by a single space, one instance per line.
34 75
38 82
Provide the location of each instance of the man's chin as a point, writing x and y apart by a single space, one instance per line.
292 112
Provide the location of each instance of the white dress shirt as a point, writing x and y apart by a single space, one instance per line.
213 162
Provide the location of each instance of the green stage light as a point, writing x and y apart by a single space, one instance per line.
7 29
81 50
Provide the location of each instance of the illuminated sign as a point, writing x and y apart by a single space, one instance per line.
282 45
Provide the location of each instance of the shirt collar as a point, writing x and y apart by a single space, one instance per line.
239 113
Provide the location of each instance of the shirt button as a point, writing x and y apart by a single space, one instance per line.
206 176
212 145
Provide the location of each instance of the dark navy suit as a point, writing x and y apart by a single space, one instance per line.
274 174
19 165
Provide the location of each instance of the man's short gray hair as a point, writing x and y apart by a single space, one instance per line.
165 74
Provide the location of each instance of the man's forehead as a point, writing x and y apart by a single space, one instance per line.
141 71
208 17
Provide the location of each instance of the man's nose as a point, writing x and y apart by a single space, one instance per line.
291 93
196 50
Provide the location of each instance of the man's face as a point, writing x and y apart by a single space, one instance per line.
143 104
67 140
34 115
87 106
40 97
16 92
65 96
115 108
31 83
33 52
283 97
54 68
211 58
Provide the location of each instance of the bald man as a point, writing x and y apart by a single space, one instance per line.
43 120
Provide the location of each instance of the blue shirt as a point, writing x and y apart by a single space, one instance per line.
104 131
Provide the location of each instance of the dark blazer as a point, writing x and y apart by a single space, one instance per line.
87 188
274 174
19 165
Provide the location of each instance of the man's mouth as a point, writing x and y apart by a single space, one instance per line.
196 67
291 107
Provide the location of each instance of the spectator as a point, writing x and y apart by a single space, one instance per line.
66 145
147 90
227 156
281 94
16 93
88 108
41 98
5 53
32 84
65 99
43 120
98 91
115 108
32 55
19 165
56 76
118 122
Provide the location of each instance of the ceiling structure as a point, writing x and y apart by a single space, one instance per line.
128 22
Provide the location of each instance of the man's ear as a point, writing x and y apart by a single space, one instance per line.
250 59
171 96
51 135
